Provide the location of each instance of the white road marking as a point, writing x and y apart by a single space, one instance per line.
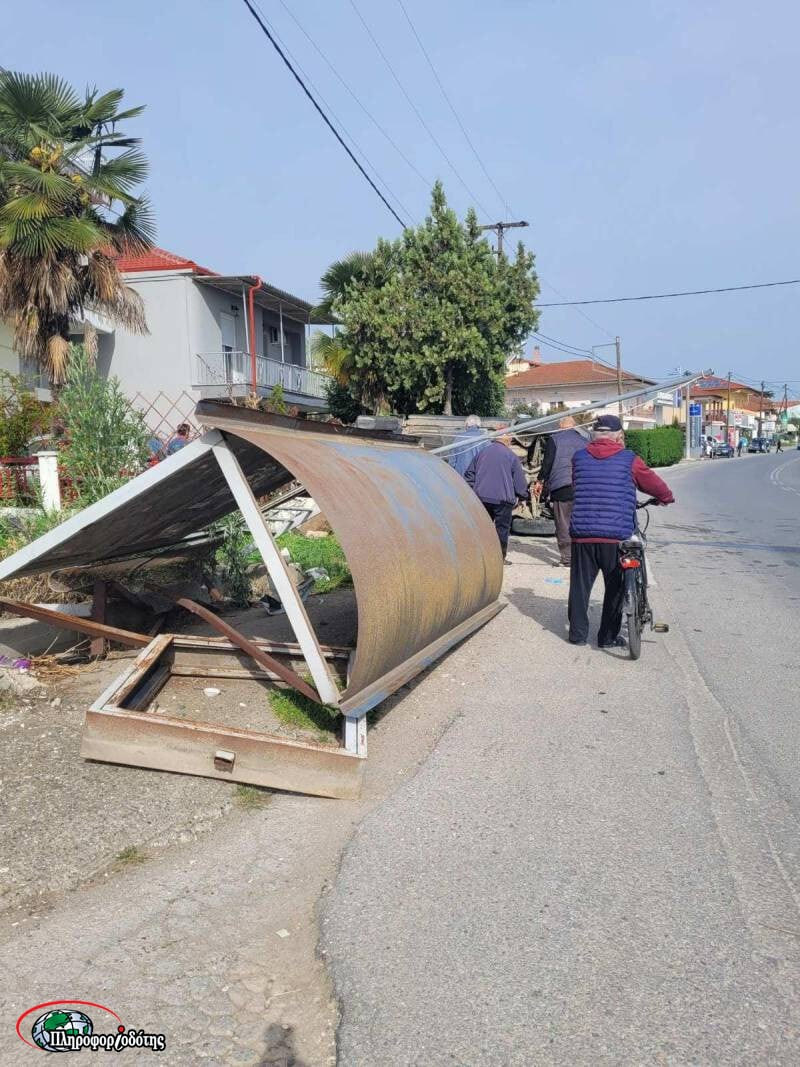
775 477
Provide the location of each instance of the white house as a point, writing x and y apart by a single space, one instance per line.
204 330
575 382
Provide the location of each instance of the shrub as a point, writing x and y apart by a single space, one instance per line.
22 416
659 447
106 440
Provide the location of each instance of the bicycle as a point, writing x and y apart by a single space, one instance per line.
636 606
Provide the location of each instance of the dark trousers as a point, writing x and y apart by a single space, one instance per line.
501 517
562 513
587 560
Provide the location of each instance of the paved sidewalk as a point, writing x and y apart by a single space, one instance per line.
576 876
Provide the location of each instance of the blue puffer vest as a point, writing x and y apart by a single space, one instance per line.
605 496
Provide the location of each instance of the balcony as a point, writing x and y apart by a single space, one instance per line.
231 372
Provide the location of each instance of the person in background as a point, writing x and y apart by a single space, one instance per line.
740 446
155 450
605 477
778 445
498 479
179 439
470 441
556 477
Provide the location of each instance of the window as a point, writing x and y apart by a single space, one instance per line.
274 337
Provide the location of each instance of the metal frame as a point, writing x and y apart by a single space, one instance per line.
119 729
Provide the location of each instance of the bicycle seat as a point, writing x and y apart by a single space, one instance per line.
631 542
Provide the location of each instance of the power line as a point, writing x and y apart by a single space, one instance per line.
414 107
456 116
562 345
666 296
322 114
332 113
352 92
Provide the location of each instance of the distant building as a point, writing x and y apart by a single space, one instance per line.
573 383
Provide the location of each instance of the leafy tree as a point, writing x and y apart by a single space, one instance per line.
430 318
105 439
22 416
68 207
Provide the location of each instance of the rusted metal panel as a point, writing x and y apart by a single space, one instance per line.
167 744
423 553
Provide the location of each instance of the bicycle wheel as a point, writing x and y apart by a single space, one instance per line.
633 614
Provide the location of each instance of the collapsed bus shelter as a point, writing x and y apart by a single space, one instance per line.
422 551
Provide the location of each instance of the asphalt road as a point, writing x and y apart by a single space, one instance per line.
599 862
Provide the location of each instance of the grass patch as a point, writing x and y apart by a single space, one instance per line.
294 709
130 856
250 797
325 552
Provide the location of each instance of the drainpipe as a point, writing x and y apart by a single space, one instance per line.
251 318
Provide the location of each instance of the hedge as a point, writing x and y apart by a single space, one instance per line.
660 447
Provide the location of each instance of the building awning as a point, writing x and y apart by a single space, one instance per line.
268 297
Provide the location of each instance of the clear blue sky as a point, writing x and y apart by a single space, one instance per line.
651 146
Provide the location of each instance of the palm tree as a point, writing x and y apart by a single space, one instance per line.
332 353
68 209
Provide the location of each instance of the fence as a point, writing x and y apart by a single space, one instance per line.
19 479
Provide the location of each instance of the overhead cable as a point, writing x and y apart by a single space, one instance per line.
667 296
352 92
414 107
456 116
265 30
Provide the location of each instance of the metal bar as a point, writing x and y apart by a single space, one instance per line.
355 735
263 658
73 622
546 420
282 648
363 701
163 743
276 567
147 659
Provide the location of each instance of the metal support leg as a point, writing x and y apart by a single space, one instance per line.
99 603
295 609
355 735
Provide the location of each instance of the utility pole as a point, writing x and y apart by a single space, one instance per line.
500 228
688 437
728 416
618 349
761 408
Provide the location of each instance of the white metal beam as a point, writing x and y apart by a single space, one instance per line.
273 560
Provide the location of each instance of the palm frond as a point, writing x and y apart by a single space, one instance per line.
47 182
57 355
135 229
126 170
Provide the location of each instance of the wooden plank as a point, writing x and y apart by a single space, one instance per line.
73 622
279 575
162 743
210 670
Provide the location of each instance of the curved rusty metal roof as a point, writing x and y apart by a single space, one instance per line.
423 553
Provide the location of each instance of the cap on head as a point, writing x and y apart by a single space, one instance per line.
607 424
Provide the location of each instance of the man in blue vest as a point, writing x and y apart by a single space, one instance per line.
605 477
556 475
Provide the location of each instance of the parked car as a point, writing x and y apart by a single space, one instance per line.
723 449
758 444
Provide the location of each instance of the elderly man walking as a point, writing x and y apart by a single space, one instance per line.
470 441
556 477
605 477
498 479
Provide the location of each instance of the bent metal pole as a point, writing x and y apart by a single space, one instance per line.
547 420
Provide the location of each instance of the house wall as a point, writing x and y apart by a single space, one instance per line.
572 396
159 360
9 360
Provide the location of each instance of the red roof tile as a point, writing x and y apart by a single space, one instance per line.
568 372
159 259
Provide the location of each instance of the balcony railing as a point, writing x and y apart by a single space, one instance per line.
229 369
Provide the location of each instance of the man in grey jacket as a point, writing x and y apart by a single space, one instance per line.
556 475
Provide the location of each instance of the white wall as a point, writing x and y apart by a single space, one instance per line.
9 360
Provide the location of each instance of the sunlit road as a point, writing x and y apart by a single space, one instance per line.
599 862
